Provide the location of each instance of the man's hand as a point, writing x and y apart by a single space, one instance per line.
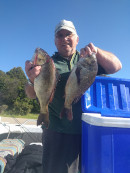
88 50
31 70
107 60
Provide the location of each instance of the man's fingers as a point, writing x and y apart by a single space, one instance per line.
85 51
28 65
82 52
92 47
88 50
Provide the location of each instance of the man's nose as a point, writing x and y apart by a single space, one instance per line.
65 37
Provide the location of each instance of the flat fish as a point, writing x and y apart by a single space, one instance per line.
80 79
44 83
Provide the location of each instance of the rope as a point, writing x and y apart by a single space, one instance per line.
26 130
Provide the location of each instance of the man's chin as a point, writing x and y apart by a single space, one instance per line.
66 52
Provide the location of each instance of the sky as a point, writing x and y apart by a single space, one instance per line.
28 24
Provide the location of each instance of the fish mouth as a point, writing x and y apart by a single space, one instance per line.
35 59
38 49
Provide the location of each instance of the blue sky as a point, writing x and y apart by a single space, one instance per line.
27 24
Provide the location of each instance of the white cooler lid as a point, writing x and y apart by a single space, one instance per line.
97 120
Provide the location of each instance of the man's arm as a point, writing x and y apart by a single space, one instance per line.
31 72
29 90
107 60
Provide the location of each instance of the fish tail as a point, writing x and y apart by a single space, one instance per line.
67 112
43 119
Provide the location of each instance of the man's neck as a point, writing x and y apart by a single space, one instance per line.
68 57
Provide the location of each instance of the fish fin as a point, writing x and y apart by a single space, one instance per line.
58 76
77 72
43 119
76 99
51 96
68 113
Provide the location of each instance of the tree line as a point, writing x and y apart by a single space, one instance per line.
13 99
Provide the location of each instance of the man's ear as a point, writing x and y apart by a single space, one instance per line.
77 39
55 41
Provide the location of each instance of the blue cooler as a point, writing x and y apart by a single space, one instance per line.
106 126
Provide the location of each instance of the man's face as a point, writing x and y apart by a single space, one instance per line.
66 42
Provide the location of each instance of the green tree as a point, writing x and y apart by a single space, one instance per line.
17 73
12 93
22 106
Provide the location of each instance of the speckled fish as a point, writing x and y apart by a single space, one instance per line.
80 79
44 83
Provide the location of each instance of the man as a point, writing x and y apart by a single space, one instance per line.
62 140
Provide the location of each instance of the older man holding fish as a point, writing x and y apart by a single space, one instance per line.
77 71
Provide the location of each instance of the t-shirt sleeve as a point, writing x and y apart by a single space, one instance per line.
101 70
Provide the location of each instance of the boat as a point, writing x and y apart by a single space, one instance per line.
20 146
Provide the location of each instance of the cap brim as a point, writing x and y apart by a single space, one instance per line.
66 28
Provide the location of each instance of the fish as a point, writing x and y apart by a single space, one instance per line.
44 83
80 79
